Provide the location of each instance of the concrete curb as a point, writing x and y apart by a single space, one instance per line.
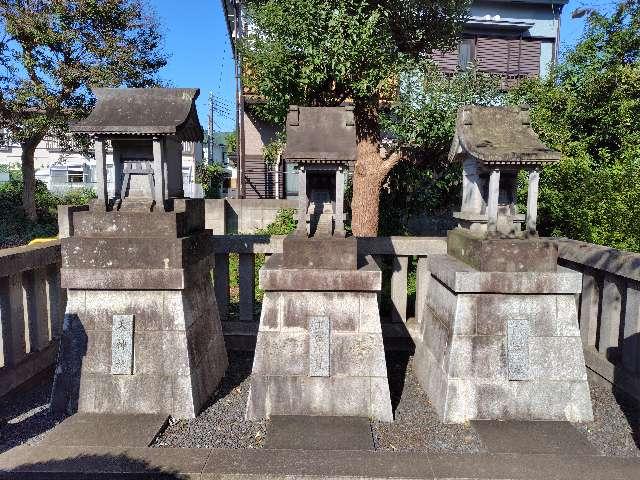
150 463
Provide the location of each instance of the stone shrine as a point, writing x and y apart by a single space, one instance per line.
319 349
141 332
499 336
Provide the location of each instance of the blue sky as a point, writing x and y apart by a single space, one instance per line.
197 40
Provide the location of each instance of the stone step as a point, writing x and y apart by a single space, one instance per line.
296 432
107 430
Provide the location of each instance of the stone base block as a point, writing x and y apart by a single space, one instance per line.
502 254
326 252
485 355
337 370
178 357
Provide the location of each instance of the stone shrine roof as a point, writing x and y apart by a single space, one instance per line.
144 111
499 136
320 135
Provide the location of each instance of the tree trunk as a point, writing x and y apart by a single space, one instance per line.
371 170
29 177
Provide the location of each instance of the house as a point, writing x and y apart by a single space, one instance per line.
63 170
510 38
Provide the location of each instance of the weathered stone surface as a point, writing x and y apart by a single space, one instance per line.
330 253
501 356
319 346
275 278
501 254
462 278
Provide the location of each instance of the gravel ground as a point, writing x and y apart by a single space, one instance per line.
416 425
222 423
616 427
25 418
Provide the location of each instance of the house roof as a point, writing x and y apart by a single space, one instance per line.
144 111
499 136
320 135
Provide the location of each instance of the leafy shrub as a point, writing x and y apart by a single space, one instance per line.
211 178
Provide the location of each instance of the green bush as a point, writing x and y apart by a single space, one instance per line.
16 229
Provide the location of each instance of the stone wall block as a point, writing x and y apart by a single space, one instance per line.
175 353
380 405
149 394
257 401
435 336
87 393
443 302
557 358
369 314
282 354
478 357
423 280
174 318
460 400
343 308
272 308
183 397
35 300
98 356
466 314
561 401
567 316
102 305
357 356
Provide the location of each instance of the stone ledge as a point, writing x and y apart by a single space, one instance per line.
462 278
275 278
20 259
122 279
148 463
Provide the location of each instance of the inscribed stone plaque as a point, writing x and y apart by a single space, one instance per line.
319 346
518 333
122 345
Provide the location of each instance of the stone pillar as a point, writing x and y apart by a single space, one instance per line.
471 194
159 172
101 172
492 204
589 301
532 202
303 202
611 313
12 320
423 277
339 214
117 173
631 342
247 285
221 284
400 270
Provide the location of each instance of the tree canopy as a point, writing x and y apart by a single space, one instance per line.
588 108
53 52
323 53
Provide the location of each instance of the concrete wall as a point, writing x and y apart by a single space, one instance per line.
230 216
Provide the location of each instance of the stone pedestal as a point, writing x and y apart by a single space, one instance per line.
319 349
501 345
142 332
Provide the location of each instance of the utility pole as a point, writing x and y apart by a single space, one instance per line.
210 131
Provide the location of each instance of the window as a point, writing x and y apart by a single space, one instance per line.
466 53
75 175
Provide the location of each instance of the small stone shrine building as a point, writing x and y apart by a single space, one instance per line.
319 349
499 336
141 331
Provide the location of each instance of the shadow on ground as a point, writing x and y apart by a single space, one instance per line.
91 467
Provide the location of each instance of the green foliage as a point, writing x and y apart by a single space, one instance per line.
211 178
231 142
320 53
16 229
588 109
284 223
274 149
423 124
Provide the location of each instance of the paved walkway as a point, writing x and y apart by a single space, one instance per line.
47 462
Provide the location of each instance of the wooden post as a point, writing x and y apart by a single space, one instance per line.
532 202
101 172
303 203
158 172
492 205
